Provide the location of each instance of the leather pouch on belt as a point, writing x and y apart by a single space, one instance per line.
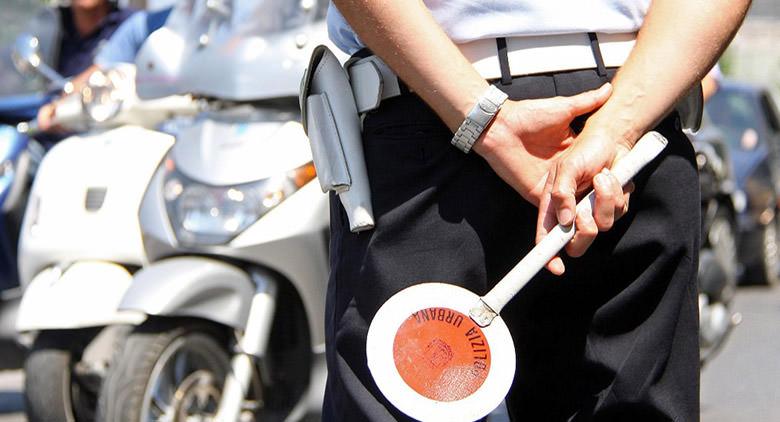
690 108
331 120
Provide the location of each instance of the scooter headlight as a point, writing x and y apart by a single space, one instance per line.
214 215
103 95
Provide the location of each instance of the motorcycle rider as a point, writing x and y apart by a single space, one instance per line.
86 25
120 48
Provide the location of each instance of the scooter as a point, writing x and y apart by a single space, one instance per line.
80 240
19 158
235 228
718 258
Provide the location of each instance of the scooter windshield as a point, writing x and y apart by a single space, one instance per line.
219 19
244 50
270 16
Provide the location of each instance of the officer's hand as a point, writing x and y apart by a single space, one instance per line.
527 137
584 165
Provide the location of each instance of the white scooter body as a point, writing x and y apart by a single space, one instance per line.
235 283
80 237
80 233
244 281
80 240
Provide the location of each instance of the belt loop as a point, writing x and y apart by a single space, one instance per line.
503 61
594 46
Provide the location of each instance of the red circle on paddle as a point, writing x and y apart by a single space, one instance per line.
441 354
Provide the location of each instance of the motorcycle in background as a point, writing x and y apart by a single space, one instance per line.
80 240
718 258
19 158
235 228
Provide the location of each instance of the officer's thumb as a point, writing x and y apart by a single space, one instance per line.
589 101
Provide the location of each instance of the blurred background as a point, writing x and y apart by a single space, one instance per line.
183 175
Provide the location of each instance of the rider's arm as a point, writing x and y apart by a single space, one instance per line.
124 43
48 112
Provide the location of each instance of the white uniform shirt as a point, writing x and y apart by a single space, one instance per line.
468 20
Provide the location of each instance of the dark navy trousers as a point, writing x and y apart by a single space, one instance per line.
615 338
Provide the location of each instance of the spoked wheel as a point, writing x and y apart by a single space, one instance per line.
167 372
185 383
196 398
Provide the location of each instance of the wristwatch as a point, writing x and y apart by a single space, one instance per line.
483 112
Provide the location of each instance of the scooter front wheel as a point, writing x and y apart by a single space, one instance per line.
169 370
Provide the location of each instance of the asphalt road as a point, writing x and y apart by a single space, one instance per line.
742 383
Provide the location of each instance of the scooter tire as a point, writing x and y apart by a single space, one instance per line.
765 272
125 386
51 393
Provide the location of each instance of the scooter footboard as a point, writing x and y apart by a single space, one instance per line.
192 287
85 294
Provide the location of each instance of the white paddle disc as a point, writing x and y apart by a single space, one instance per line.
438 365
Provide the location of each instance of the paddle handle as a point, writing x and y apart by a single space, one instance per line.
646 149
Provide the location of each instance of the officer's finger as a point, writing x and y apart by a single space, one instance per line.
609 199
585 234
564 189
628 189
556 266
589 100
546 219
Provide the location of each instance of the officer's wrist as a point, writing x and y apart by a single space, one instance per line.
486 144
619 127
480 116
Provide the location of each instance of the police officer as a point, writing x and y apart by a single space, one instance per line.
608 335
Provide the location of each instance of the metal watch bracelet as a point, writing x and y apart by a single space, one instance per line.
480 116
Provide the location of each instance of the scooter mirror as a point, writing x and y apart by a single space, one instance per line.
27 60
25 53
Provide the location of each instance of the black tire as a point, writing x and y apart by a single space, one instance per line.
722 240
126 394
767 270
718 266
52 393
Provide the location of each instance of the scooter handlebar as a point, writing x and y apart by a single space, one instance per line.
28 128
